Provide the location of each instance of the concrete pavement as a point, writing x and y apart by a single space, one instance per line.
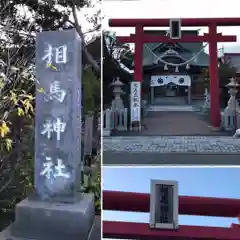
191 150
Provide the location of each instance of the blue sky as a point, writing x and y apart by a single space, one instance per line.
209 182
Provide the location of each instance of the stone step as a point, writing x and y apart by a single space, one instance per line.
170 108
169 101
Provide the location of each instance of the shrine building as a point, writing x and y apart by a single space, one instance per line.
174 72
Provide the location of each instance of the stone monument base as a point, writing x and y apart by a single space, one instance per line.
38 220
136 127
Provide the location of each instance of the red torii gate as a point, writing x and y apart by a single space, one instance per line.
199 206
139 38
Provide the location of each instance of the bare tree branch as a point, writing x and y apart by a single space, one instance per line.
76 24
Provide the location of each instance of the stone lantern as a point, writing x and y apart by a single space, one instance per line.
232 110
117 103
232 90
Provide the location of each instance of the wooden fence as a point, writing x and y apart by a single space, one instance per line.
91 144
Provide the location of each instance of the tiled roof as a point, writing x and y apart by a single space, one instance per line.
188 50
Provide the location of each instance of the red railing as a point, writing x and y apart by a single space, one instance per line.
199 206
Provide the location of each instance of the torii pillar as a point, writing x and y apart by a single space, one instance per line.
138 54
212 38
214 78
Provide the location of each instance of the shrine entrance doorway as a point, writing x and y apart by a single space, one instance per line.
170 89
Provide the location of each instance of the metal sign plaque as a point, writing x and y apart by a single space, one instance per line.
164 204
175 28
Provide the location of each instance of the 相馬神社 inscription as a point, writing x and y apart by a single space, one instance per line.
58 115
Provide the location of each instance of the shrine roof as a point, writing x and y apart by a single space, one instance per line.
186 50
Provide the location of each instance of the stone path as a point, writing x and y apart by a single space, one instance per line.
172 137
177 123
174 144
174 124
171 150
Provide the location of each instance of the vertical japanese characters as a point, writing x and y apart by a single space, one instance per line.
164 204
135 102
58 115
54 56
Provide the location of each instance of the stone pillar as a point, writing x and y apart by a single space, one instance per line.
152 95
56 210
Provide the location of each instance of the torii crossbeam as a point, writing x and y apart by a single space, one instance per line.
139 38
188 205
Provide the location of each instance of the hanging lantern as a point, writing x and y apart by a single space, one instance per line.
165 67
187 66
176 69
